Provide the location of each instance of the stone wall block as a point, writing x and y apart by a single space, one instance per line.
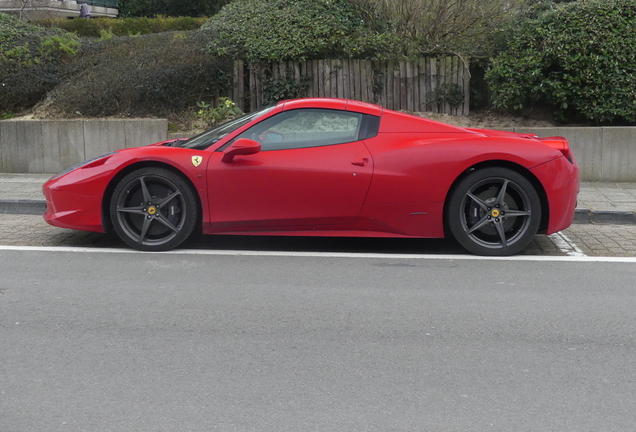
140 133
29 136
3 167
71 142
619 157
541 132
587 145
51 147
11 148
103 136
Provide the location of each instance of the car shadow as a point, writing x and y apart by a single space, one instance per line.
324 244
541 245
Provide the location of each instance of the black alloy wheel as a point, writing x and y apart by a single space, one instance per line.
494 211
153 209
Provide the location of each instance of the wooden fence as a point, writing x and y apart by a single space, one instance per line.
427 84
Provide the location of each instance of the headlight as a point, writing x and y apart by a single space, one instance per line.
79 165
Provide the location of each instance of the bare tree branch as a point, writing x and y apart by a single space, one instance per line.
434 22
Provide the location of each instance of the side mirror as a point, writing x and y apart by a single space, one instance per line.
242 147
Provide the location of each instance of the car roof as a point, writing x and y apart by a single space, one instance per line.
331 103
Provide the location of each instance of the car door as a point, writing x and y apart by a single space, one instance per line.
312 170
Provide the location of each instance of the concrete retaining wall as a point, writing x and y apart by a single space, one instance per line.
50 146
603 153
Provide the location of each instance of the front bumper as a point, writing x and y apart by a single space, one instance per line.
74 203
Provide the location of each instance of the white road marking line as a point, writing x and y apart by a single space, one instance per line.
566 245
396 256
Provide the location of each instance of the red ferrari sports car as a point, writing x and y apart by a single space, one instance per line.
326 167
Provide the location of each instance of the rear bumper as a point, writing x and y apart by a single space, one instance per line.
561 181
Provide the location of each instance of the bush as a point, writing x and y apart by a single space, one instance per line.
151 75
25 43
150 8
124 26
438 26
257 30
366 43
224 111
33 60
11 28
577 58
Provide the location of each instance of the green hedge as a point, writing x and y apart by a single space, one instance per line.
257 30
99 27
579 59
175 8
11 27
160 75
33 60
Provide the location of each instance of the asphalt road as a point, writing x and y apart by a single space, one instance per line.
116 341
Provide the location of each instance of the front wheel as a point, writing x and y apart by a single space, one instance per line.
153 209
494 211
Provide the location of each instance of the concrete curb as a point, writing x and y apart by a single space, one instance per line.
23 206
614 217
581 216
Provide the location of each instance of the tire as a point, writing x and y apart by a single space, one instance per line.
153 209
486 221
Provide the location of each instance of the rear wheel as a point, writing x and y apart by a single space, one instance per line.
153 209
494 211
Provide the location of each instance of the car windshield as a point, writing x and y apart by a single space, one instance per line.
209 137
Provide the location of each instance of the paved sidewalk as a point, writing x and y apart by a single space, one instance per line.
610 203
22 186
601 203
22 193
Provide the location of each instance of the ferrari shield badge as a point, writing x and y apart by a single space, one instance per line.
196 160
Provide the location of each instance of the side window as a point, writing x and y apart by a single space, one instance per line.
370 127
304 128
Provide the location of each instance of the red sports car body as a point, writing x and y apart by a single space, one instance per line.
326 167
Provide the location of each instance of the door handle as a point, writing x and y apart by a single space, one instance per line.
360 162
